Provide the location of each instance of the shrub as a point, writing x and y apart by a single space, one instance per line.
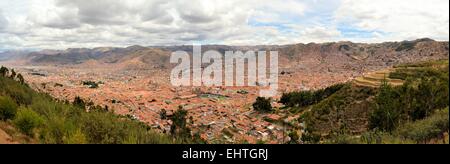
21 96
429 128
107 128
27 120
343 139
294 137
8 108
376 137
262 104
102 128
75 137
57 129
310 138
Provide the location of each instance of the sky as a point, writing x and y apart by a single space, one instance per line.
61 24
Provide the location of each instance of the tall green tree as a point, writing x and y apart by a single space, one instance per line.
20 79
4 71
179 124
386 115
13 74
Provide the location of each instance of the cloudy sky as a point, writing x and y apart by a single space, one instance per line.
60 24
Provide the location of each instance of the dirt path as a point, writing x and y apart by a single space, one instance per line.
5 138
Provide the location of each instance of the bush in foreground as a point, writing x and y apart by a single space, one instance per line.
27 120
8 108
424 130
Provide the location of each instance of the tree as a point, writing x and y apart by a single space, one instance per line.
4 71
13 74
179 124
432 94
407 99
79 102
386 115
262 104
163 114
286 99
20 79
306 98
91 84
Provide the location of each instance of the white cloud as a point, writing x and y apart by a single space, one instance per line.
276 11
319 34
3 21
63 23
59 24
399 19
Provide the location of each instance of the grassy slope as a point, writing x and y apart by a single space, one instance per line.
346 113
67 123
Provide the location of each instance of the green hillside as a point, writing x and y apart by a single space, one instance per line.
414 110
31 117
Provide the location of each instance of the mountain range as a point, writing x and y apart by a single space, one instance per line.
333 56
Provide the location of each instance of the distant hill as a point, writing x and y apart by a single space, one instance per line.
325 57
343 56
12 55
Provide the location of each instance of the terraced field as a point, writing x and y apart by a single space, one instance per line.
375 79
